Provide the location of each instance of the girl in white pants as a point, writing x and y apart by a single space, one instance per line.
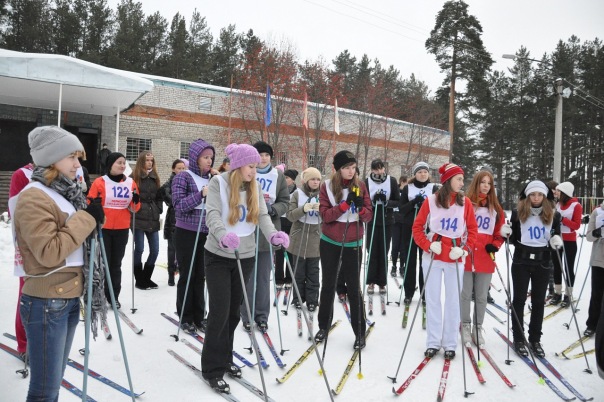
445 228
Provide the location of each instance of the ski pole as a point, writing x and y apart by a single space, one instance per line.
400 297
572 308
336 280
115 313
385 256
413 320
285 312
368 259
270 248
463 341
253 312
184 302
133 309
507 290
515 316
567 325
249 315
308 326
87 319
361 303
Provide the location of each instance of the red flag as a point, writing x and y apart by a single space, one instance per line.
336 120
305 121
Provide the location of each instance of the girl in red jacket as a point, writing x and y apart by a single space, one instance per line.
118 194
479 265
571 212
441 226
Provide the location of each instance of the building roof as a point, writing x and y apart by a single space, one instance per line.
34 80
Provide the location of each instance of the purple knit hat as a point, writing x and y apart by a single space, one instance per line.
241 155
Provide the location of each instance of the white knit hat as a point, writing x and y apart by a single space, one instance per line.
536 186
50 144
566 187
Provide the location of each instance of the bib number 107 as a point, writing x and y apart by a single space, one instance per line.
448 224
536 232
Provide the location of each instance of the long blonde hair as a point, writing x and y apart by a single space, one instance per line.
547 213
337 186
251 188
140 171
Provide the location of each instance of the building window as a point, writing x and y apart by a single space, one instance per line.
184 150
280 158
317 161
135 146
205 103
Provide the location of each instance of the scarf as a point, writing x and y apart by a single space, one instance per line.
536 211
72 192
378 178
482 200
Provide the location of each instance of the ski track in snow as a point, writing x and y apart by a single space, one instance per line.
162 378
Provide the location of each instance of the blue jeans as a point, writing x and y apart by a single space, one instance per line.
50 325
139 246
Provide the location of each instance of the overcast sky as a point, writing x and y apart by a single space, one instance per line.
394 31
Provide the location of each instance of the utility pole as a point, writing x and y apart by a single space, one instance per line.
558 134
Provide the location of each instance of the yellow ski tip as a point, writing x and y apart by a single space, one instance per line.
360 376
480 363
541 381
320 372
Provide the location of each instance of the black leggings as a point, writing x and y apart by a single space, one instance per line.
570 251
537 275
349 271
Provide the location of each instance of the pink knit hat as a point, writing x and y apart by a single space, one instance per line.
241 155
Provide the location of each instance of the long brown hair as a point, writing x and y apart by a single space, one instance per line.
251 188
443 196
140 171
547 213
492 203
337 184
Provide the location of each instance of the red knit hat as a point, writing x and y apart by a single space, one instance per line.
448 170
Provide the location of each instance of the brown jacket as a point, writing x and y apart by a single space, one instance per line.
46 237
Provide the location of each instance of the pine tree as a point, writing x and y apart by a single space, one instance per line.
200 49
126 51
29 27
457 45
225 56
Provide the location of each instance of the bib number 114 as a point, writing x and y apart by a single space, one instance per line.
448 224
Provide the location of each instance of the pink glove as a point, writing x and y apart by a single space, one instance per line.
280 239
229 241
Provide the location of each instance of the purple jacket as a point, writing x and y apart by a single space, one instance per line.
185 194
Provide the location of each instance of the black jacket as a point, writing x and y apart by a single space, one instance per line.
170 220
406 207
392 203
147 218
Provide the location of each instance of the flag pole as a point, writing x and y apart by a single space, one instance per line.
230 105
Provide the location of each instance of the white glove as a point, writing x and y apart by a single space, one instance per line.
436 247
307 207
506 230
315 206
457 252
556 242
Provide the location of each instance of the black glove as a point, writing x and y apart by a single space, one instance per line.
358 203
351 198
136 198
418 200
585 219
95 209
379 197
271 210
597 232
491 248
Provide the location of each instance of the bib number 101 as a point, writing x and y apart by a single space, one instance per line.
448 224
536 232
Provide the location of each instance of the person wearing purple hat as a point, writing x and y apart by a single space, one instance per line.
189 191
276 198
231 218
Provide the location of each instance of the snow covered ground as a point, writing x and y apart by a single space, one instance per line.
162 378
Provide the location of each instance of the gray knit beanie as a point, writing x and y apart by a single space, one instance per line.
50 144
